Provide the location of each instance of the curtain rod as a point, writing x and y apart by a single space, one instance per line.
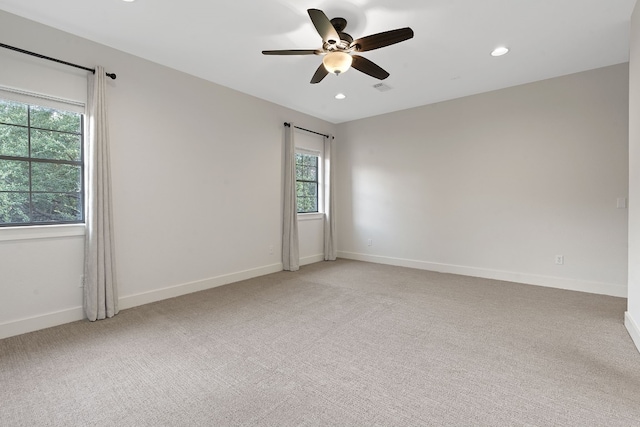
307 130
37 55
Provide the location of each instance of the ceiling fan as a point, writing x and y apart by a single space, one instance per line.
338 47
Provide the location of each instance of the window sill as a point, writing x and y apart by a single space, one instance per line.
41 232
310 216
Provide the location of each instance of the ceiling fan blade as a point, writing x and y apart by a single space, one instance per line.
292 52
320 74
363 64
324 26
379 40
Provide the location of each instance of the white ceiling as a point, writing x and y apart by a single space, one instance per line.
222 40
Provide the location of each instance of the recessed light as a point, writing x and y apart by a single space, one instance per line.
341 96
499 51
128 1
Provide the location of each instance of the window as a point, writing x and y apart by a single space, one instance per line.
41 165
307 182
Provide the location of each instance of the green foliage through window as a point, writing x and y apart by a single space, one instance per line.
307 182
41 165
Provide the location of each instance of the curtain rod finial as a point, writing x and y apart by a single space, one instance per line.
112 75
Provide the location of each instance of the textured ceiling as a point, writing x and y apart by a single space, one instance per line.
448 57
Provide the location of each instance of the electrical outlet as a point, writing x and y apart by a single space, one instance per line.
369 242
559 259
621 203
270 249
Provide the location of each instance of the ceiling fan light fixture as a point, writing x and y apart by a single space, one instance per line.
337 62
499 51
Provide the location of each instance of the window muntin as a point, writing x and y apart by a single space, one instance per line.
307 182
41 165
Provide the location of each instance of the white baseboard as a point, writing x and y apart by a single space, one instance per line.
311 259
632 327
508 276
130 301
23 326
35 323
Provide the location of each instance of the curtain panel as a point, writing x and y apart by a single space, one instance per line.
330 243
100 289
290 250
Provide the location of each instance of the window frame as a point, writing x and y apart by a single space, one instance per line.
60 227
318 182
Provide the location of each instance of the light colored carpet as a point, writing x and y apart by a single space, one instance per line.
342 343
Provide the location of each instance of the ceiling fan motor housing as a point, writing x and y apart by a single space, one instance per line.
344 44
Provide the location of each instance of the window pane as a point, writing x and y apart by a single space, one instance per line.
55 207
13 112
48 118
307 204
14 208
56 178
14 141
55 145
307 196
309 174
14 175
308 189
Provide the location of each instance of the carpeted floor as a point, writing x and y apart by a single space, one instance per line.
344 343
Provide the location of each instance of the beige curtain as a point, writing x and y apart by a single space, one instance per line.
290 251
330 243
100 290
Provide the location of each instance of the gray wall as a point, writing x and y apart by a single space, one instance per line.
496 185
197 176
632 320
